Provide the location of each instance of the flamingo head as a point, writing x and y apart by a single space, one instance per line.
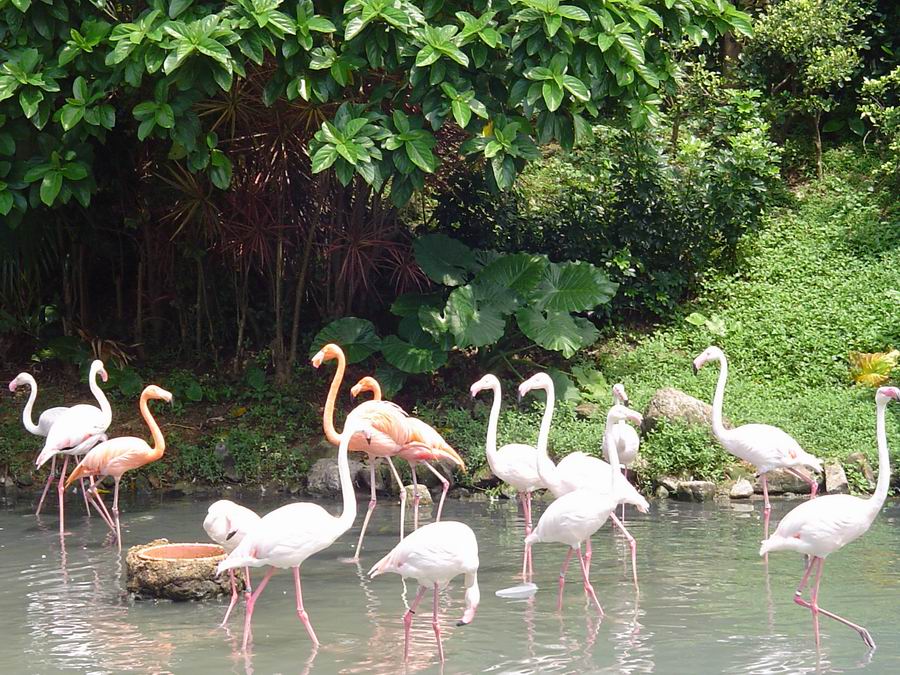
486 382
17 381
473 597
536 381
152 391
97 368
365 384
327 353
711 354
885 394
619 413
619 395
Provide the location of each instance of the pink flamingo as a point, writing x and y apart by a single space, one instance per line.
118 455
579 470
287 536
433 555
764 446
514 464
227 524
75 431
820 527
423 445
624 436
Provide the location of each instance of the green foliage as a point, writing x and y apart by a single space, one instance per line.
684 451
483 291
653 208
880 105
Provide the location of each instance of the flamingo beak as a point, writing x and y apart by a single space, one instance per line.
695 368
230 535
104 375
318 358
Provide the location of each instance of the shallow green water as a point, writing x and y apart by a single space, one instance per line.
707 604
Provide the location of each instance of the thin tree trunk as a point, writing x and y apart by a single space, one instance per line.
300 290
198 318
817 119
139 304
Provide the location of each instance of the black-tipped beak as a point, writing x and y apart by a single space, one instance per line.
461 623
519 397
368 435
626 403
695 368
230 535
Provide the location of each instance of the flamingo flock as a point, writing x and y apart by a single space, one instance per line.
587 491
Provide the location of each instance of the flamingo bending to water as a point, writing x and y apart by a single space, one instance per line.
424 445
433 555
820 527
118 455
289 535
623 435
75 431
579 470
227 524
764 446
514 464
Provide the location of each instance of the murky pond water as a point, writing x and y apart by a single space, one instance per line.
707 602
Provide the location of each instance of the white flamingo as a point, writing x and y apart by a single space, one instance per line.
42 428
227 524
624 436
820 527
579 470
573 518
76 430
764 446
289 535
433 555
514 464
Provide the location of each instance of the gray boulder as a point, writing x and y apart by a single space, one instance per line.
781 481
695 490
836 480
860 462
742 489
324 479
424 495
670 483
674 405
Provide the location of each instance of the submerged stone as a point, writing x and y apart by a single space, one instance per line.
177 571
742 489
695 490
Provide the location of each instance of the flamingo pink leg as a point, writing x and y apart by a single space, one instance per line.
247 588
587 583
115 510
402 495
813 484
234 597
251 603
767 508
407 621
87 507
372 503
436 625
816 610
631 543
61 492
304 617
527 562
445 485
562 578
47 486
97 501
588 554
415 482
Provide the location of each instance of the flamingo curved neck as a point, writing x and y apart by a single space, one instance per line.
375 388
613 451
29 407
491 442
159 443
884 460
105 409
328 416
547 470
348 514
718 427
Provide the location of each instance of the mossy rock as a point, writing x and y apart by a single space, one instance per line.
159 569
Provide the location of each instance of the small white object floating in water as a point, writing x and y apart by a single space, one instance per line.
520 592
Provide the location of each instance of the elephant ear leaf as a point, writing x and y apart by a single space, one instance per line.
445 260
557 331
411 358
520 271
573 287
357 337
474 323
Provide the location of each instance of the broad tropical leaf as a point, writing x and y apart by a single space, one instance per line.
357 337
473 323
573 287
520 271
409 358
556 331
445 260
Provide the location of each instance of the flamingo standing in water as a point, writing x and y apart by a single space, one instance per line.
424 445
118 455
820 527
433 555
75 431
579 470
42 428
764 446
227 524
514 464
287 536
624 436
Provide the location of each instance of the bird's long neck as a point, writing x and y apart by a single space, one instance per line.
348 514
718 427
159 443
613 451
884 460
491 442
105 409
29 407
375 388
473 596
545 466
328 416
